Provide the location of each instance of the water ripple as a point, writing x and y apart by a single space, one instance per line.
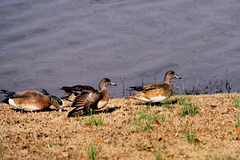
53 43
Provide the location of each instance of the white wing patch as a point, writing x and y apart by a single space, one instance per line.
158 98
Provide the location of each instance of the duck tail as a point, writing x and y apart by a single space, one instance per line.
6 101
7 93
136 88
66 89
45 92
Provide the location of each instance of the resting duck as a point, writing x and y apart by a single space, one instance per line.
156 92
31 100
91 98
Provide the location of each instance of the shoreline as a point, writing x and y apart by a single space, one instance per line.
123 134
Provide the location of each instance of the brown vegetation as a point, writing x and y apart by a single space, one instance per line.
127 130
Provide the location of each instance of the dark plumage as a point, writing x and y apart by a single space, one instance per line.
91 98
74 91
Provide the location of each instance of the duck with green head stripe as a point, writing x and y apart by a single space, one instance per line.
32 100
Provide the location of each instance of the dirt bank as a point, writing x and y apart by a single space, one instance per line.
128 130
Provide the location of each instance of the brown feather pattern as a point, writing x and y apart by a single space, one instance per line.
90 99
159 91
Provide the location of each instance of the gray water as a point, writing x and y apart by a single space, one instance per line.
49 44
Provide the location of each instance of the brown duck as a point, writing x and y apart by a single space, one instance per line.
31 100
156 92
91 99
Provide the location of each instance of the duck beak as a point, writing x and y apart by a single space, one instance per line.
177 77
113 84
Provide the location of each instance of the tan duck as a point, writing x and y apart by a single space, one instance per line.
91 99
156 92
31 100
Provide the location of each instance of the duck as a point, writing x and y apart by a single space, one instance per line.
90 99
31 100
155 92
71 92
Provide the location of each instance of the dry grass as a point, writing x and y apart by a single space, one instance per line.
213 132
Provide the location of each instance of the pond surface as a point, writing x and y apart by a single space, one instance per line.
49 44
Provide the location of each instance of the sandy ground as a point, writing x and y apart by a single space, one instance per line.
51 135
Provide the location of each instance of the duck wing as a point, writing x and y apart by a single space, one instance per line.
84 102
147 87
29 94
75 90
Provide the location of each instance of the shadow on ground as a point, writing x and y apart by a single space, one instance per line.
158 103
